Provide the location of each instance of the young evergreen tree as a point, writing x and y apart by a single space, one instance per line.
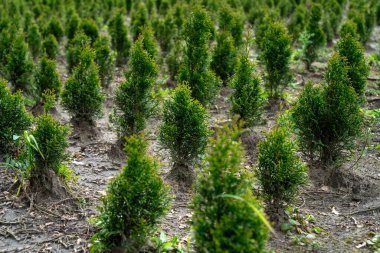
51 47
184 132
55 28
195 69
90 29
14 118
275 54
105 59
82 95
72 25
133 98
232 21
74 49
349 28
139 19
136 200
281 172
224 56
47 77
174 58
119 38
298 21
19 66
247 99
317 36
221 223
149 41
34 39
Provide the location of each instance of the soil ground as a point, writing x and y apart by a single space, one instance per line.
348 214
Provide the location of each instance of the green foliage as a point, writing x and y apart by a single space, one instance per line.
222 224
82 95
90 29
184 130
298 21
280 171
247 99
105 59
133 98
72 25
149 42
34 39
55 28
47 78
357 68
349 28
195 68
119 38
275 54
74 49
139 19
19 68
164 244
328 119
51 47
14 117
136 200
232 21
175 58
224 56
317 36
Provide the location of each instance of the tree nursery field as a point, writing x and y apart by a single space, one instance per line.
213 126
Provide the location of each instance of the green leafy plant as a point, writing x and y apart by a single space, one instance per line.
47 77
280 171
164 244
55 28
50 46
247 99
139 19
105 59
72 25
184 132
90 29
133 98
174 58
14 118
223 223
34 39
119 38
149 41
82 95
275 54
74 49
230 20
136 200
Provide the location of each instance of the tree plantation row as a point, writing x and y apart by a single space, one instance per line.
68 52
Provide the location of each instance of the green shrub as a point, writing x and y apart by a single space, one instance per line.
247 99
174 58
51 47
184 131
19 66
222 224
317 36
133 98
55 28
82 95
298 21
34 39
72 25
14 117
105 59
149 42
74 49
280 171
47 77
119 38
328 119
349 28
357 68
232 21
52 139
195 68
136 200
139 19
224 56
275 54
90 29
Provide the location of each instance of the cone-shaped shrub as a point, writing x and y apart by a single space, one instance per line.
247 99
175 58
72 25
19 66
133 98
74 49
328 119
139 19
105 59
275 54
47 77
224 56
34 39
149 41
52 139
90 29
232 21
14 117
195 69
317 36
51 46
136 200
221 223
297 22
82 95
55 27
119 38
349 28
357 68
184 131
280 171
